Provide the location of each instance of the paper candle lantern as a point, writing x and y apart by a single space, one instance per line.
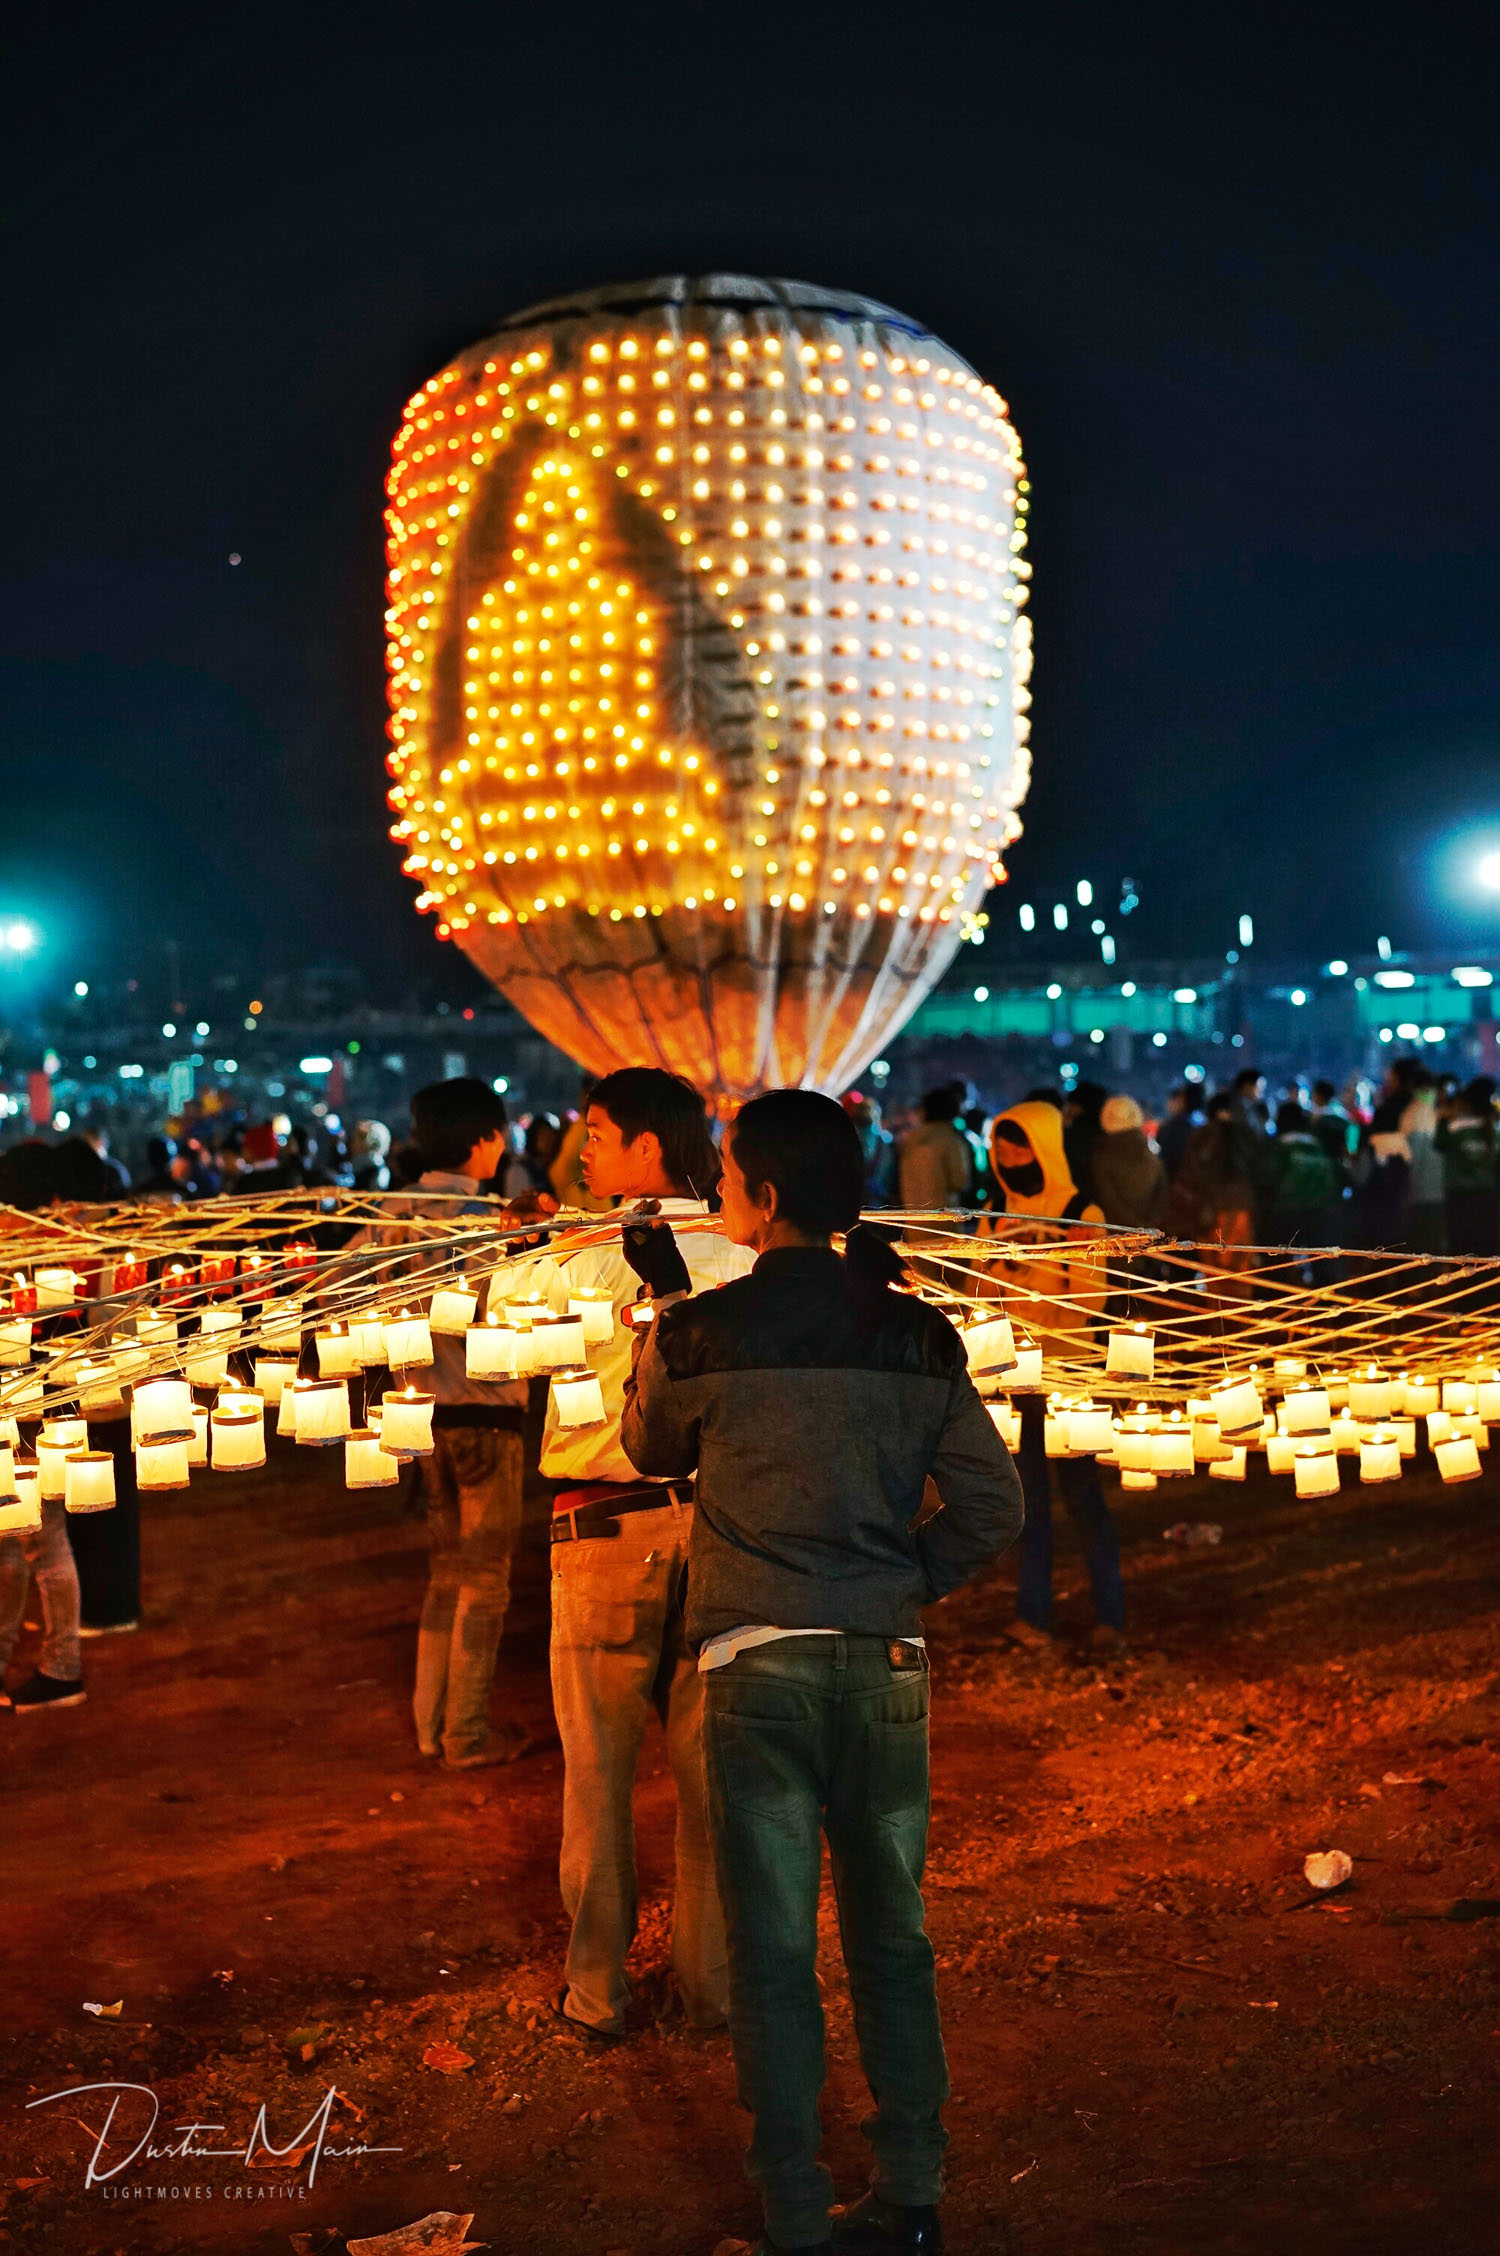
1131 1351
989 1344
1439 1427
1172 1448
1237 1407
1419 1395
367 1330
56 1288
1055 1440
281 1327
90 1483
197 1447
205 1364
1316 1470
162 1410
1281 1453
238 1436
1458 1459
156 1326
15 1341
57 1438
19 1515
1006 1419
130 1358
321 1410
1229 1465
366 1464
1460 1397
1307 1410
1370 1393
162 1464
579 1398
1380 1456
1090 1429
408 1341
558 1341
1288 1367
453 1309
1135 1446
1027 1374
598 1313
225 1322
337 1356
708 656
99 1387
1476 1429
406 1424
7 1470
490 1350
1405 1431
19 1397
273 1375
1487 1397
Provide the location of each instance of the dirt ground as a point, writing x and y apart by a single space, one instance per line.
1159 2040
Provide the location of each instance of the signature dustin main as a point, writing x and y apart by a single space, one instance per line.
306 2148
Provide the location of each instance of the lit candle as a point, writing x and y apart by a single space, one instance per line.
300 1255
1370 1393
57 1437
1307 1410
321 1410
161 1464
90 1481
1317 1470
239 1436
1460 1397
156 1326
1131 1351
15 1341
1458 1459
490 1350
273 1375
597 1310
1419 1395
453 1308
408 1341
337 1356
406 1424
559 1341
366 1464
56 1288
1237 1407
579 1397
281 1327
1380 1455
989 1344
128 1275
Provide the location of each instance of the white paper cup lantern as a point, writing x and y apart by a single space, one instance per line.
7 1470
1135 1446
15 1342
408 1341
161 1464
58 1437
453 1307
90 1484
366 1464
1237 1407
238 1437
1476 1430
406 1424
1316 1470
367 1331
162 1410
490 1350
1347 1433
1487 1396
1055 1440
20 1515
1370 1394
206 1360
1172 1448
682 486
1091 1429
55 1288
1027 1375
1439 1427
1133 1478
1006 1419
1420 1395
100 1388
1228 1465
273 1375
130 1358
579 1397
156 1326
1380 1455
337 1356
558 1341
1458 1459
597 1312
197 1448
1281 1453
1131 1351
1460 1397
224 1323
281 1327
1288 1368
321 1410
989 1344
1405 1431
1307 1410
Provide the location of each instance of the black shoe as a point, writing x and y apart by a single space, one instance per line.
583 2029
48 1692
877 2227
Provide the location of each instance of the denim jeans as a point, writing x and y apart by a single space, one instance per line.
46 1553
618 1650
471 1486
806 1736
1083 1495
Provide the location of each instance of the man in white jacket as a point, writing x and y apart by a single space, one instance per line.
619 1557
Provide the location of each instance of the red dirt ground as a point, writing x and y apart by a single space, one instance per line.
1158 2042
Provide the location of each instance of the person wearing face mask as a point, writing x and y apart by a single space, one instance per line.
1056 1302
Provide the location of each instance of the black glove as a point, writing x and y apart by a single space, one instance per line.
653 1254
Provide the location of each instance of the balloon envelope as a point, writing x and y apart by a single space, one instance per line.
708 659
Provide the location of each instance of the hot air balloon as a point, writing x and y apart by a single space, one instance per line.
708 659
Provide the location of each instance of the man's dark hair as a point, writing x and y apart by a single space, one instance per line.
1290 1118
1324 1092
808 1148
1247 1077
645 1099
938 1104
1053 1097
449 1118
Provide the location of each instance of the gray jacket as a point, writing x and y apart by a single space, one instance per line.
813 1415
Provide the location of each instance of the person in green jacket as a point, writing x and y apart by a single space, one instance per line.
1299 1186
1467 1145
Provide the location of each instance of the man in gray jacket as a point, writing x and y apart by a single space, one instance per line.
814 1402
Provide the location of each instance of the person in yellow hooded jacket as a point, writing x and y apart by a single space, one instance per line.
1055 1302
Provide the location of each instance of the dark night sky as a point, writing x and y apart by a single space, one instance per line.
1238 281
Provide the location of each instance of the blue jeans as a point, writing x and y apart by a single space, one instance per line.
806 1736
46 1554
1083 1495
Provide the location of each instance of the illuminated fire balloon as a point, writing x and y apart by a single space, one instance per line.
708 662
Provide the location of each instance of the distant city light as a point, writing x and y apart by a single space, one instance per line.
1107 948
1096 1033
981 994
881 1069
1471 975
250 1026
1434 1033
201 1028
1409 1030
169 1030
501 1086
80 987
1158 1041
90 1063
315 1065
62 1119
1028 917
226 1065
1394 979
1383 948
19 937
1097 926
132 1072
255 1009
1060 915
1194 1073
1247 932
1299 995
1385 1033
1127 987
1489 872
1337 968
1053 992
1085 894
1184 994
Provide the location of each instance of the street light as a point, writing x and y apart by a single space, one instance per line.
19 938
1489 872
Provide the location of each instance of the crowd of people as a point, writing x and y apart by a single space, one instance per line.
741 1543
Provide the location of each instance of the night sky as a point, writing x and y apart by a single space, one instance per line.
1237 280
